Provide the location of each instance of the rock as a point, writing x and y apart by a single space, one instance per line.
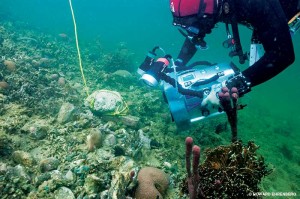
121 177
105 102
103 154
70 176
17 172
167 165
49 164
145 141
76 163
104 194
58 177
16 183
130 121
10 65
93 184
2 97
61 81
4 85
37 129
110 140
23 158
42 178
54 76
65 113
122 73
39 153
64 193
3 168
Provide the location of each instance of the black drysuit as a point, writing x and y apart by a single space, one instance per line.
269 20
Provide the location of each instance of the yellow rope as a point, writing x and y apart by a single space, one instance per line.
121 110
78 49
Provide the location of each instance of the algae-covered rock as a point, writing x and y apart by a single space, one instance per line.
49 164
130 121
70 176
110 140
39 153
64 193
105 102
42 178
3 168
65 113
93 184
23 158
17 172
37 129
121 177
15 183
122 73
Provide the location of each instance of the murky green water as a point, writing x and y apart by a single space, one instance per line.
272 116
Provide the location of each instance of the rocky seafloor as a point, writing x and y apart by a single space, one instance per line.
53 146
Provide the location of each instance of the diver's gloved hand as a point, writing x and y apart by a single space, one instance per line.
222 98
179 63
239 81
211 101
199 43
202 46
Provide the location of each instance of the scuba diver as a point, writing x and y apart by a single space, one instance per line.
267 18
199 90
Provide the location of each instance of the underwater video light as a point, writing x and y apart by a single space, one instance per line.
153 75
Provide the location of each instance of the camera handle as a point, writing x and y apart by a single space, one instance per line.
180 89
175 84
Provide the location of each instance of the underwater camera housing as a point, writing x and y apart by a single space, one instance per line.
184 88
186 109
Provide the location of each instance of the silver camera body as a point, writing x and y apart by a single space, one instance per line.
187 109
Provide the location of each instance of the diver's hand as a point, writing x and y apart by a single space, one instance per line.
211 101
178 62
241 82
201 47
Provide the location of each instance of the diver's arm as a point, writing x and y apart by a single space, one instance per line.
279 51
187 51
270 64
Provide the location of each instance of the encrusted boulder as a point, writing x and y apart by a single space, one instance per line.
121 177
105 102
37 129
23 158
122 73
65 113
110 140
65 193
93 184
49 164
130 121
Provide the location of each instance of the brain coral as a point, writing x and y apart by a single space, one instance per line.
152 183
